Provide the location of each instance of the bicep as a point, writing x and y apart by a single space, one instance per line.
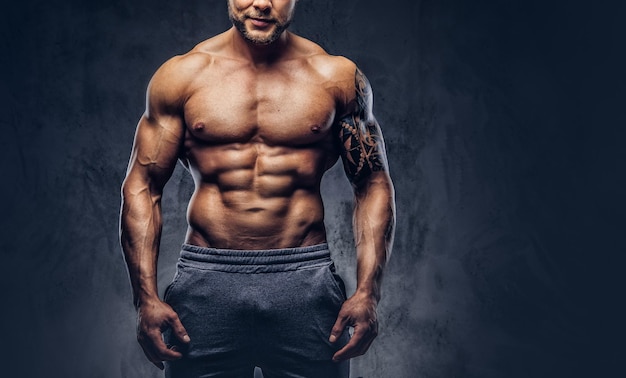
156 149
362 143
160 131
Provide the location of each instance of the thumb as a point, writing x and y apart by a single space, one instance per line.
338 328
178 329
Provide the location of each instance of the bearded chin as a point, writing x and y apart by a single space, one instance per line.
258 40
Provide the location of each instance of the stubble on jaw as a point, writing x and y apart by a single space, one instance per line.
239 24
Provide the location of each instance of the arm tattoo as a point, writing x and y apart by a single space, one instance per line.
362 143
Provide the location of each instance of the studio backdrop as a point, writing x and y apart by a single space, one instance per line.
505 140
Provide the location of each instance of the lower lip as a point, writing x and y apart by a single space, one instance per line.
259 23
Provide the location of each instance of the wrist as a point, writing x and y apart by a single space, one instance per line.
145 291
146 300
366 292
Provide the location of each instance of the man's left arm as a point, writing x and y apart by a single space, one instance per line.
365 163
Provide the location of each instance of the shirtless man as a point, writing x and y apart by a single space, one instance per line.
256 115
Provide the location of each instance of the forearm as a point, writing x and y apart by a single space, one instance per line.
140 232
374 224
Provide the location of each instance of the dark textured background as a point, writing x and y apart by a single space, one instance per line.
505 126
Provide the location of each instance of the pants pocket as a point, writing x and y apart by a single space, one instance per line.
170 289
335 281
304 307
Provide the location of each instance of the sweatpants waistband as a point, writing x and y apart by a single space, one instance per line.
255 261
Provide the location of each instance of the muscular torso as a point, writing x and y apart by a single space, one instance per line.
257 142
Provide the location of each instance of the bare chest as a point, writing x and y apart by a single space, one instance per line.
280 107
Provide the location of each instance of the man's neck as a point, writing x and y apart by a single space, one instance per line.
259 55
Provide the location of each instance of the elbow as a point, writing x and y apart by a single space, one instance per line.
135 187
379 182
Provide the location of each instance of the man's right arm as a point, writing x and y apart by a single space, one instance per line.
156 147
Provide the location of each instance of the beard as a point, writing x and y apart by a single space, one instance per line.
239 23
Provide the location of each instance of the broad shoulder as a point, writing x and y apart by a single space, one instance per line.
334 67
339 75
337 72
171 81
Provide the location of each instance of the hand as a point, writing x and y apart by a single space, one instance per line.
359 312
153 318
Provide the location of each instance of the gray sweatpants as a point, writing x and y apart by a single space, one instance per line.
268 308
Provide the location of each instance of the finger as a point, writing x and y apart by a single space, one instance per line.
157 363
357 346
179 330
149 352
160 350
364 346
348 350
153 359
338 328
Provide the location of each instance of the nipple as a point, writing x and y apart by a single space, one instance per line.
198 126
315 129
